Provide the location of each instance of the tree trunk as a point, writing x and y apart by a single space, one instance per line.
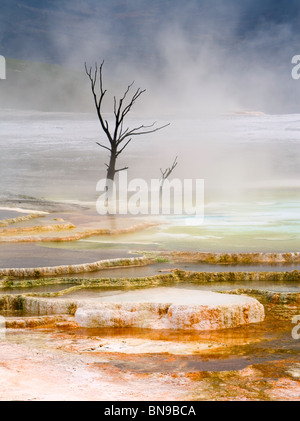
118 138
111 169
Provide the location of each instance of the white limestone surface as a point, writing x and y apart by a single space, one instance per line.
170 308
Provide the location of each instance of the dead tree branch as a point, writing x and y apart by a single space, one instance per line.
166 173
117 138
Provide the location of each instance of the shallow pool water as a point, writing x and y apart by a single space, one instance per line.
35 289
160 268
9 214
282 287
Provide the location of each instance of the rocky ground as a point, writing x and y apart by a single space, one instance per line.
45 356
60 364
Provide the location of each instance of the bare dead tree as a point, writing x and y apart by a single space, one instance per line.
166 173
118 137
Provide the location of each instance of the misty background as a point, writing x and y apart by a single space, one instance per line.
192 56
200 61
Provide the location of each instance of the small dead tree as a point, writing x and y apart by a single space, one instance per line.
118 137
166 173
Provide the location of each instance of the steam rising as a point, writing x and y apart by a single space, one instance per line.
194 56
196 59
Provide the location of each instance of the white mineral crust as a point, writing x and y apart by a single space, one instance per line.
170 308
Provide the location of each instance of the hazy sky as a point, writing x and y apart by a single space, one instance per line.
204 54
54 29
192 56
